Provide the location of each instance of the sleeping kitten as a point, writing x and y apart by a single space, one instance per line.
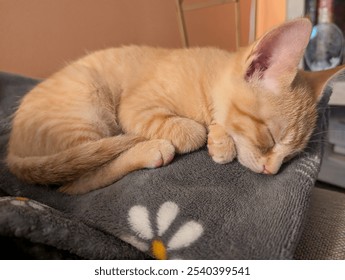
123 109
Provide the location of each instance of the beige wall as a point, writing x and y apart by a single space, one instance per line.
39 36
216 25
269 14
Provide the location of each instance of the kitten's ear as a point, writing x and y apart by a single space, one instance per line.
274 58
318 80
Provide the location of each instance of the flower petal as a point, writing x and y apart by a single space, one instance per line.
138 218
165 216
36 205
18 202
186 235
135 242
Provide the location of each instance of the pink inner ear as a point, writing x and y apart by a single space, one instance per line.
279 51
262 57
258 66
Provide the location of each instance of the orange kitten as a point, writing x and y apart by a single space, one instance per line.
123 109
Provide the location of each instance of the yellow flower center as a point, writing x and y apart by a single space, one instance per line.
158 250
20 198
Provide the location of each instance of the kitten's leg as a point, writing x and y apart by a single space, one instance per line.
185 134
220 145
148 154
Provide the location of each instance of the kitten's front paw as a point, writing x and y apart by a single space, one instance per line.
157 153
220 145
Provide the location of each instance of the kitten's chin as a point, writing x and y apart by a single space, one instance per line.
262 166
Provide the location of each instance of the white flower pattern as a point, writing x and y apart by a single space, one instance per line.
146 239
23 202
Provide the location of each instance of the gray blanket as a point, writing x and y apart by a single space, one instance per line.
190 209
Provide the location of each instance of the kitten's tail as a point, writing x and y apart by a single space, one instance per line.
70 164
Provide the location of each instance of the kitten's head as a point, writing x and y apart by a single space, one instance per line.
273 110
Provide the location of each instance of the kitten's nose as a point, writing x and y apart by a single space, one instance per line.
266 171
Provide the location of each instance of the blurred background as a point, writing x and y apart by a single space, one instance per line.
39 36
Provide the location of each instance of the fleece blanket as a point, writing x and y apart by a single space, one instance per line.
192 208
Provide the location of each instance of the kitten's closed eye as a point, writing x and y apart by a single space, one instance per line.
264 150
269 143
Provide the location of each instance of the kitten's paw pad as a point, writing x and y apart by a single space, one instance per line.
222 150
158 153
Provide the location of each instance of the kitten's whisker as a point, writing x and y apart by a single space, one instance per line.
327 131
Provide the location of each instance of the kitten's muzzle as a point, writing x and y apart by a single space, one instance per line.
266 171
